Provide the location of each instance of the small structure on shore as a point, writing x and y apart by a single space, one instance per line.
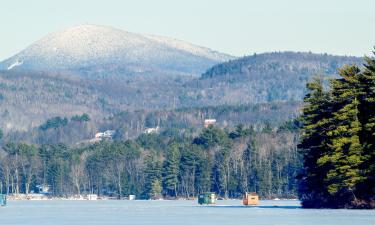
43 189
250 199
3 200
92 197
131 197
207 198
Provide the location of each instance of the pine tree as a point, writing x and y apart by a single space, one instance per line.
338 141
221 171
315 119
190 157
171 170
155 192
204 172
152 175
367 136
345 154
249 164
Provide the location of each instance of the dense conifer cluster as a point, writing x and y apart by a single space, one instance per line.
338 140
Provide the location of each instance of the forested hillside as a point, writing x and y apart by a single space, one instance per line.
130 124
279 76
28 99
170 164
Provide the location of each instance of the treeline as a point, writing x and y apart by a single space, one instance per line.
338 141
57 121
170 164
303 63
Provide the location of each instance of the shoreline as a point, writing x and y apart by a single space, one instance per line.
94 197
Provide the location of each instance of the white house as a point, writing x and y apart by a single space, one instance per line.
152 130
99 135
108 133
209 122
105 134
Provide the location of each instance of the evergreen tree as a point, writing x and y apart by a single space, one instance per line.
211 137
221 172
338 141
171 170
241 131
155 192
345 154
152 175
367 136
315 119
190 157
249 163
204 172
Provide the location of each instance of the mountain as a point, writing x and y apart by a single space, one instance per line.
99 50
91 69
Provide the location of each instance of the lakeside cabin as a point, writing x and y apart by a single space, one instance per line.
207 198
92 197
250 198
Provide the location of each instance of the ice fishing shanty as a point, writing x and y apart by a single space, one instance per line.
250 198
207 198
3 200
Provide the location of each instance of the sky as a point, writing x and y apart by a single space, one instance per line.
236 27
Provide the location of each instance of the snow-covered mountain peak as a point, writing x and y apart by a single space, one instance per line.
88 46
87 41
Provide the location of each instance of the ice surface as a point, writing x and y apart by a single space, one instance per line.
174 212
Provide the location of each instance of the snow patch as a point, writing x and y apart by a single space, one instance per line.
17 63
188 47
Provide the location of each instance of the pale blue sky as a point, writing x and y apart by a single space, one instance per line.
237 27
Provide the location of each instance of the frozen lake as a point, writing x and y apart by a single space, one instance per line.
174 212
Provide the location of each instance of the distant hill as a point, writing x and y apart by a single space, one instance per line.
99 50
28 97
279 76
